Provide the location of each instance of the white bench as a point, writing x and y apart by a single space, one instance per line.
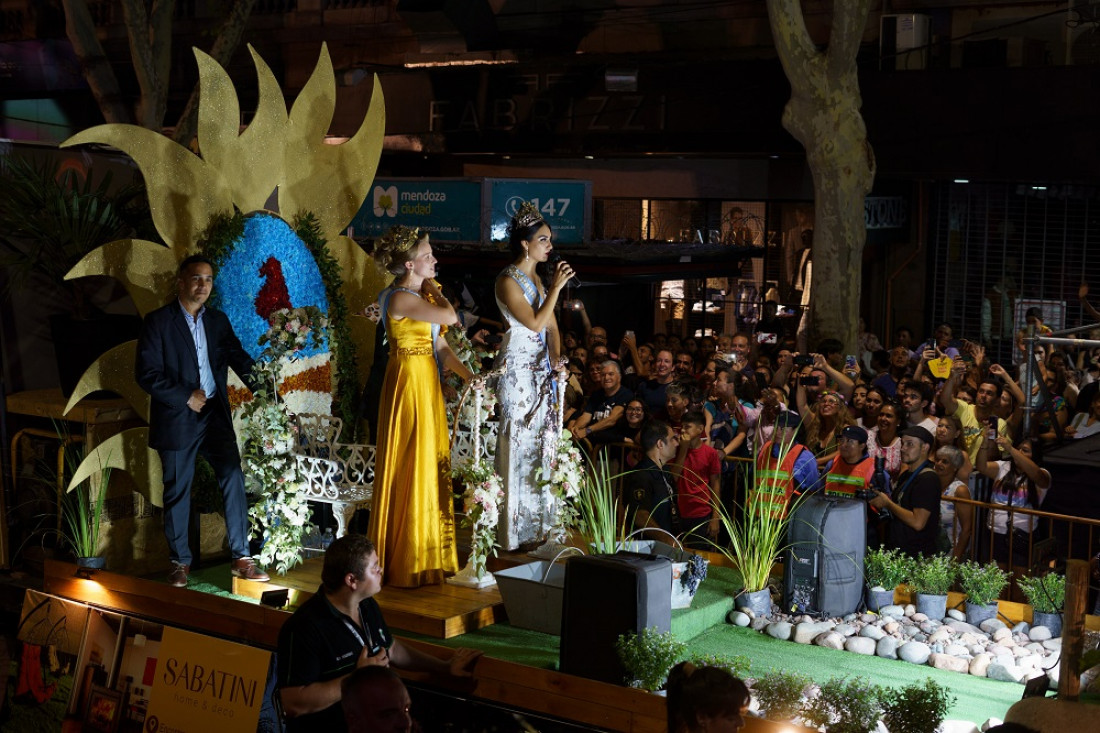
341 474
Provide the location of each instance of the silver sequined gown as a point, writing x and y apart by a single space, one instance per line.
524 393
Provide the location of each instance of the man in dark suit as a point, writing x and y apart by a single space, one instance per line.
183 357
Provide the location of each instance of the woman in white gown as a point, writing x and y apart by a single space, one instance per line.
529 358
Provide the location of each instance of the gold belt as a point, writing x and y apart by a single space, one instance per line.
418 351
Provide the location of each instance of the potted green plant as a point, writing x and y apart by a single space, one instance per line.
845 706
917 708
647 657
931 578
1046 595
780 694
597 509
82 518
982 583
883 571
757 536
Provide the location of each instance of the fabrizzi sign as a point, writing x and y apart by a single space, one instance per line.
449 209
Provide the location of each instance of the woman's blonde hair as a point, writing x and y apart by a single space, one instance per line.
396 247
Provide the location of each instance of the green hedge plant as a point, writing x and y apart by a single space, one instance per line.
1045 594
845 706
780 694
648 656
982 582
933 575
886 568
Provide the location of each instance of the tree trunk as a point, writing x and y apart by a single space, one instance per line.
823 114
229 36
80 28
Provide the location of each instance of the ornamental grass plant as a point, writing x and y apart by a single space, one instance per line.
1046 593
982 582
597 508
757 533
933 575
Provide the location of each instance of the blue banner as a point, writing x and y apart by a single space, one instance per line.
449 209
564 205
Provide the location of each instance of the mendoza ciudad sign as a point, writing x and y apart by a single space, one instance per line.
450 209
206 684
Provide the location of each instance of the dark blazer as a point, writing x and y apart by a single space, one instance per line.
168 369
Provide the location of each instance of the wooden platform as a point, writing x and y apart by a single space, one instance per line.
440 611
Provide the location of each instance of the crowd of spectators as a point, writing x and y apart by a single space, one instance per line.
723 398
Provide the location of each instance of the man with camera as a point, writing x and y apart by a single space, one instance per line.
914 522
339 630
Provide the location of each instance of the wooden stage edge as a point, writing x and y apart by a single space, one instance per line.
544 691
441 611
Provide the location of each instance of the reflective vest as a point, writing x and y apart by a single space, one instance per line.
775 481
844 478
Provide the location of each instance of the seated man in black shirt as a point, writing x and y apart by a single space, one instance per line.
339 630
914 520
650 490
604 408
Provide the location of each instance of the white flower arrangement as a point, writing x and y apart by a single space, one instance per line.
281 516
562 479
481 503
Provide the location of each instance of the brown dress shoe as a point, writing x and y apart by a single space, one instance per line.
245 567
178 576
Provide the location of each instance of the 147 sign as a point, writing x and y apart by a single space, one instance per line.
551 206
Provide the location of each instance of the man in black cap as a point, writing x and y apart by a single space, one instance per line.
852 469
915 505
785 467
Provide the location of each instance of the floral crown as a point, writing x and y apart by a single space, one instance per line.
400 238
526 215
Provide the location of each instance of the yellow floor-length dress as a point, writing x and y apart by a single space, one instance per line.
412 512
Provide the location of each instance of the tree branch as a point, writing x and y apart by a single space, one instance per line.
160 40
793 43
229 37
846 34
80 28
137 31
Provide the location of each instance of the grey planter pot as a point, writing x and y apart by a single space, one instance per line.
94 563
934 607
1052 621
759 602
877 599
975 614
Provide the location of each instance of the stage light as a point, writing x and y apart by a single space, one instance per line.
85 573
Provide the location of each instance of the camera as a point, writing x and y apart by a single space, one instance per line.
991 433
878 485
809 381
803 360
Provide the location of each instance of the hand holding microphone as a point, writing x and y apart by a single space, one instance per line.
563 273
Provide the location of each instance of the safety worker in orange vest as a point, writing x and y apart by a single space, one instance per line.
784 467
851 471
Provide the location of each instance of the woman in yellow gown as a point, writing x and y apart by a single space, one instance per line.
412 511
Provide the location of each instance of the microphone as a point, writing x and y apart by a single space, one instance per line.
554 258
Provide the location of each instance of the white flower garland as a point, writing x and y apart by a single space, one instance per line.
562 479
481 503
281 516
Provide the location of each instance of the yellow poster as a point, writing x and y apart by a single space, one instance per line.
206 684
